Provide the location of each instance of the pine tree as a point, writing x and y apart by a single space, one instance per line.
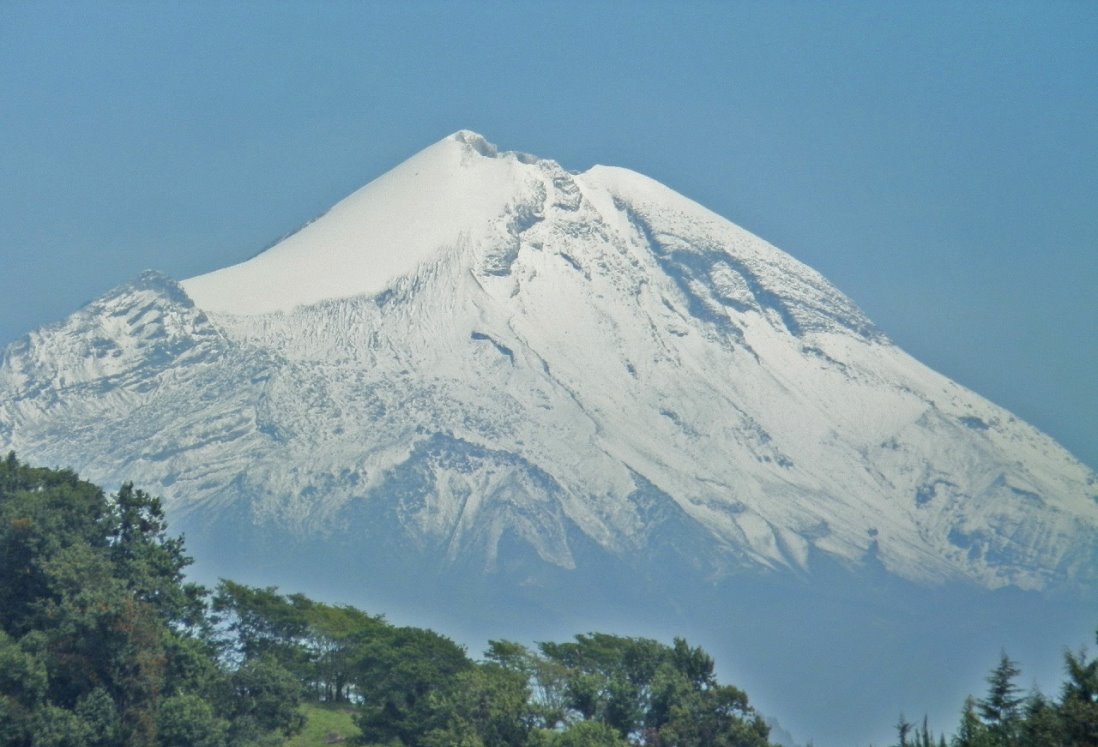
1001 709
903 728
972 732
1079 702
923 738
1041 723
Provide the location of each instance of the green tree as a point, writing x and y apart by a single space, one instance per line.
903 729
151 562
58 727
581 734
1041 724
923 737
1078 707
694 664
262 622
41 512
189 721
24 682
266 697
972 732
487 705
715 717
399 674
102 641
332 639
609 677
653 693
548 681
98 712
1001 709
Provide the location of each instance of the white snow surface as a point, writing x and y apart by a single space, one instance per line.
538 350
380 233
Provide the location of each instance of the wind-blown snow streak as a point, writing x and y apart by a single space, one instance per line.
485 343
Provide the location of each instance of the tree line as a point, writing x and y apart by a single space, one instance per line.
104 642
1006 716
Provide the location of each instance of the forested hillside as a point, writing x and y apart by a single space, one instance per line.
103 642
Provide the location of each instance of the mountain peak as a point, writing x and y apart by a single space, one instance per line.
447 194
479 144
476 141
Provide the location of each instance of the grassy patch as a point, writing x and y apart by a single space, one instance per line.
325 722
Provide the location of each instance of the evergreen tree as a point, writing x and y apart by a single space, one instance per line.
972 732
924 737
1041 723
903 728
1001 709
1079 701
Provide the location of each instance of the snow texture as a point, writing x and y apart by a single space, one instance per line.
485 344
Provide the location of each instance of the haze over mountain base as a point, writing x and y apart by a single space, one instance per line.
835 656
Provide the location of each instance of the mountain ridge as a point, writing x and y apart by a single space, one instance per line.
570 340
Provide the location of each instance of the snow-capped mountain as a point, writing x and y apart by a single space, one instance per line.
481 350
499 397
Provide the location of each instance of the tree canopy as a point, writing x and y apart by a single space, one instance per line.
104 642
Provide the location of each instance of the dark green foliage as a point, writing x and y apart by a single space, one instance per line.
150 562
264 698
971 732
336 635
403 675
322 645
550 683
41 512
909 734
57 727
486 705
903 730
638 690
580 734
262 621
1079 701
1040 722
1006 718
1001 709
189 721
98 712
102 642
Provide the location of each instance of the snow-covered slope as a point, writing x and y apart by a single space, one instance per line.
378 234
483 348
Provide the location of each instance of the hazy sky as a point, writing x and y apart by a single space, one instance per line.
937 161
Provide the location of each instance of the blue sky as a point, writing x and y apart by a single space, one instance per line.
937 161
